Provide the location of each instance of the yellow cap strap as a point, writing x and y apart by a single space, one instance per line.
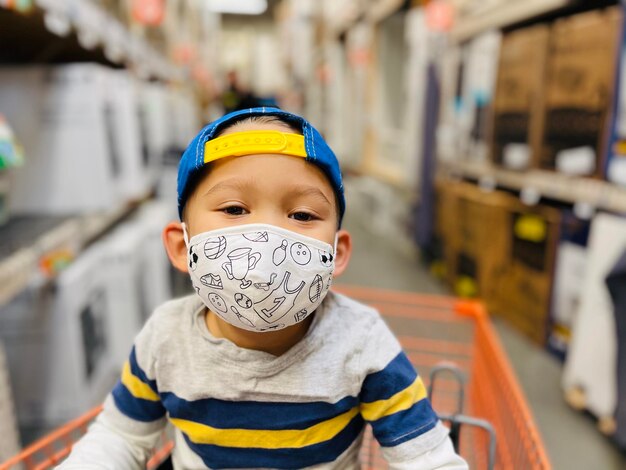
252 142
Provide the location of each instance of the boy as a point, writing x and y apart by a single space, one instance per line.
263 367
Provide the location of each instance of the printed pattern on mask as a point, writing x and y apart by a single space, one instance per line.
260 277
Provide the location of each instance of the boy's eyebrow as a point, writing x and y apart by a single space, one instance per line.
231 183
242 185
308 190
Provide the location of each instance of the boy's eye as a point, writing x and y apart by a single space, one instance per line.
234 210
302 217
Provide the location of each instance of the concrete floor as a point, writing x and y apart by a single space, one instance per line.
571 438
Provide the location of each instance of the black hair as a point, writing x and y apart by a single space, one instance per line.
263 119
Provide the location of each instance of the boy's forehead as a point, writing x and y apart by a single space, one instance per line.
259 166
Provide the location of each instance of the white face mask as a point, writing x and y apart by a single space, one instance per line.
260 277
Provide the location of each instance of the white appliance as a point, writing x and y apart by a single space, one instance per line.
130 141
156 286
24 323
156 123
478 74
184 117
137 275
591 364
123 258
10 442
81 367
61 116
57 344
569 278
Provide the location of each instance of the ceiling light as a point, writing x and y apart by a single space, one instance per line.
238 7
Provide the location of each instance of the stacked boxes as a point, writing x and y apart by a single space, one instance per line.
518 103
522 292
502 251
476 245
555 92
580 89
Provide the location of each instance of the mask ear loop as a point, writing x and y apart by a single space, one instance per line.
335 245
186 235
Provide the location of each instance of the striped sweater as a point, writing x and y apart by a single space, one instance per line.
238 408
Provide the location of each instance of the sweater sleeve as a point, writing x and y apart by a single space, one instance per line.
132 419
393 400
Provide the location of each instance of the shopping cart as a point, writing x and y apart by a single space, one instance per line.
454 347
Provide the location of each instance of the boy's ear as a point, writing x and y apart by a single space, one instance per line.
344 251
174 242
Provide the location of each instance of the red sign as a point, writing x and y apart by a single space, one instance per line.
148 12
440 15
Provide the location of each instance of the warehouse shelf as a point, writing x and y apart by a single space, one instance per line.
594 192
503 14
65 30
341 20
44 241
381 9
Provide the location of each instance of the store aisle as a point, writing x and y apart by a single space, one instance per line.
570 437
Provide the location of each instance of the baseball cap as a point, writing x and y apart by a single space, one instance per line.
311 146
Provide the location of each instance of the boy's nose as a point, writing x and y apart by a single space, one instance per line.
270 217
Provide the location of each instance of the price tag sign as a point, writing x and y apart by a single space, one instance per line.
530 196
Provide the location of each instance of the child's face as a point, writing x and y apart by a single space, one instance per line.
279 190
284 191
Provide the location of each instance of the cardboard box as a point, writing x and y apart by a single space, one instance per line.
518 102
522 291
500 250
446 198
580 89
446 191
472 227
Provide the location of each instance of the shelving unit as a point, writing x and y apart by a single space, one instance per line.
53 237
597 193
528 91
61 31
503 14
64 30
381 9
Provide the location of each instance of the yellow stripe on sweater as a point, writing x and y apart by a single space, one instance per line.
135 386
265 439
401 401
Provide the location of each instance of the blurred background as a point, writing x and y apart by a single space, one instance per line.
483 144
